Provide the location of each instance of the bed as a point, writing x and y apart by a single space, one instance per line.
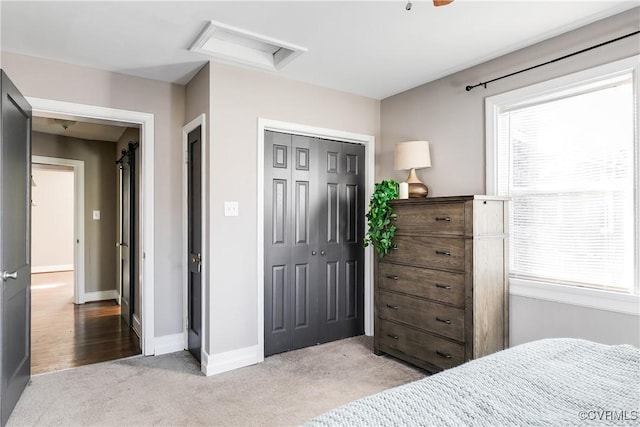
548 382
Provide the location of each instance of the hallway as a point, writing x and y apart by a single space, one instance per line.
64 335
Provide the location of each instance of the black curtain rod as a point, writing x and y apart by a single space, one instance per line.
468 88
132 147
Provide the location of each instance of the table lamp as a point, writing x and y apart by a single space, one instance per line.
410 156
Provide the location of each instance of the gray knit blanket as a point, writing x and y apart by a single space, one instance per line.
552 382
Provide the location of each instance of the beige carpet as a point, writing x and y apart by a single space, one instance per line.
286 389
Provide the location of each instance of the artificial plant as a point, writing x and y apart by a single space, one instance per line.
381 230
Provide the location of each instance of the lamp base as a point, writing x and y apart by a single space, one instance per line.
418 190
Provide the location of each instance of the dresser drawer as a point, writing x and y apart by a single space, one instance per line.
422 282
434 350
437 252
440 218
430 316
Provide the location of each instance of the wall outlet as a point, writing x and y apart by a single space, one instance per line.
96 215
230 208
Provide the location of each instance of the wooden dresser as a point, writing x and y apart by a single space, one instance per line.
442 295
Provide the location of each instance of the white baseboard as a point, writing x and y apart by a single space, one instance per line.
100 296
51 268
169 344
228 361
137 325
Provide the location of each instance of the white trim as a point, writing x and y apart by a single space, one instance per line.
230 360
100 295
198 121
51 268
48 108
573 295
169 344
337 135
78 220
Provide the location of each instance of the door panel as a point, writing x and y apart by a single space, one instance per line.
15 205
125 241
313 207
194 140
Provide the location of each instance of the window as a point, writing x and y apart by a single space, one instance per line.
565 152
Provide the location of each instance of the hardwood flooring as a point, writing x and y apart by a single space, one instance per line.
65 335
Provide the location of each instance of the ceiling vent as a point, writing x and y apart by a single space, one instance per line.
235 45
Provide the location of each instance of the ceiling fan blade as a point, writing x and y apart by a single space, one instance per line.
441 2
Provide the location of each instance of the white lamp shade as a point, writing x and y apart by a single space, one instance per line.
412 155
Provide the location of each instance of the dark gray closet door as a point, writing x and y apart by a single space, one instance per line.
290 297
126 238
15 250
312 242
341 213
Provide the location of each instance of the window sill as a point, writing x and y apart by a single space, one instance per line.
582 297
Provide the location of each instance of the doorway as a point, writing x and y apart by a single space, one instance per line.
313 241
145 122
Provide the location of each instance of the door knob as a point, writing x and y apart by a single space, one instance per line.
6 275
313 252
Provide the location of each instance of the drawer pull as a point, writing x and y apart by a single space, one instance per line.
445 355
447 321
441 286
443 218
446 253
393 307
395 337
392 277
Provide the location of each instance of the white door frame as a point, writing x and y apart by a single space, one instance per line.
53 108
78 220
198 121
336 135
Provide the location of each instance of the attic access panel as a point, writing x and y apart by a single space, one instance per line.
235 45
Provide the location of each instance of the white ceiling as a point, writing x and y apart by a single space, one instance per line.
79 129
371 48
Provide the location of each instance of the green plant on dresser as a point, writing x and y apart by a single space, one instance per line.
381 231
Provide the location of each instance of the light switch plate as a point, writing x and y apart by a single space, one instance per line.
230 208
96 214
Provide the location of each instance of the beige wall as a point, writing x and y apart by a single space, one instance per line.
52 217
99 194
43 78
452 119
238 98
130 135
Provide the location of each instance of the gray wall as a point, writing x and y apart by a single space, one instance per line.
99 194
453 121
131 134
238 98
42 78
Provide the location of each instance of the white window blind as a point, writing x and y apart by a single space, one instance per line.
567 162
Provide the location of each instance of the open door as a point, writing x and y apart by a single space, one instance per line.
15 251
127 232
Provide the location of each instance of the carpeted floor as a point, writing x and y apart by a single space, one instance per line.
286 389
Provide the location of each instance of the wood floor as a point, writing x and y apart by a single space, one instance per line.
65 335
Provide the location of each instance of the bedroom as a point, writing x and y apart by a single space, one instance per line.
235 97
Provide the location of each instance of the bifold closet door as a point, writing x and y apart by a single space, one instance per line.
313 216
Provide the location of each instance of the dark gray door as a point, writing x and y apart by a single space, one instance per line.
306 233
194 182
341 228
15 250
126 256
